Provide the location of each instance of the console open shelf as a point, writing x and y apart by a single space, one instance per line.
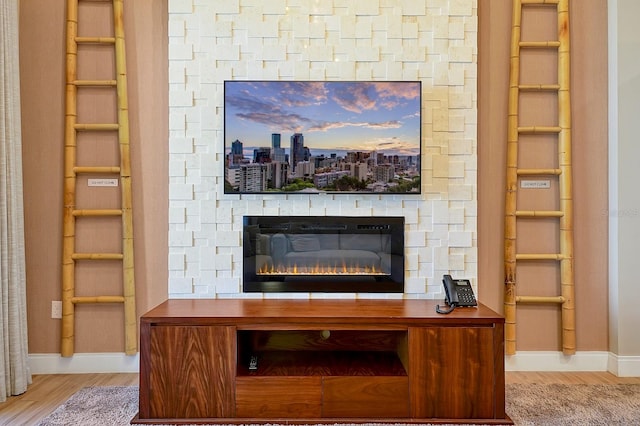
321 360
321 353
336 363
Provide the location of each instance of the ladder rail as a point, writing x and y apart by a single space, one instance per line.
72 170
565 183
563 172
70 151
128 277
512 183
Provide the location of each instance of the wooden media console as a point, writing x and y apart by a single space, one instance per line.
320 360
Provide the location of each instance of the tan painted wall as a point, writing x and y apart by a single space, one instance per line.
42 74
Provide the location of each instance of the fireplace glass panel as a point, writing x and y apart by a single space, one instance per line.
323 254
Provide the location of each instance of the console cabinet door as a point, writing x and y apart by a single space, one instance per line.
452 372
192 371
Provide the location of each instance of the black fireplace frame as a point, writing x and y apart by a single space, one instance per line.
391 283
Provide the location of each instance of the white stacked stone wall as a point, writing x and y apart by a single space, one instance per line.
434 41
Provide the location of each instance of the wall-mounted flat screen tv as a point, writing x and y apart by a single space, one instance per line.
322 137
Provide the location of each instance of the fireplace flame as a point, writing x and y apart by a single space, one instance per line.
320 269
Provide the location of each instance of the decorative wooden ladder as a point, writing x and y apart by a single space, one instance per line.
72 171
561 172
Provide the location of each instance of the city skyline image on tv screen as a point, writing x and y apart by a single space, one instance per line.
319 136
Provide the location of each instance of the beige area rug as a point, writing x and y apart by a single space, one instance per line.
527 404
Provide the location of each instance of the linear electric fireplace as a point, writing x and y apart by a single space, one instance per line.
323 254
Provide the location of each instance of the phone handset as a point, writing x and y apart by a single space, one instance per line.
450 295
457 293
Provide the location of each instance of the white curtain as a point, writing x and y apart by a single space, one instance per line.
14 368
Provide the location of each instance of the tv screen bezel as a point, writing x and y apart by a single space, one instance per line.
227 144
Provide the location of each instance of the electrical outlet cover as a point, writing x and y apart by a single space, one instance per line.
56 309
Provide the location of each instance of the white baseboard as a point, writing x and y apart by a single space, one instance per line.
622 366
556 361
109 362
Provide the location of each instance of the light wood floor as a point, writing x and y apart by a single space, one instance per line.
48 391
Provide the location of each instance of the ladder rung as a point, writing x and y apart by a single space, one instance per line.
539 299
97 299
97 126
538 87
97 256
95 82
540 2
98 212
96 40
539 256
538 172
540 129
96 169
539 213
540 44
